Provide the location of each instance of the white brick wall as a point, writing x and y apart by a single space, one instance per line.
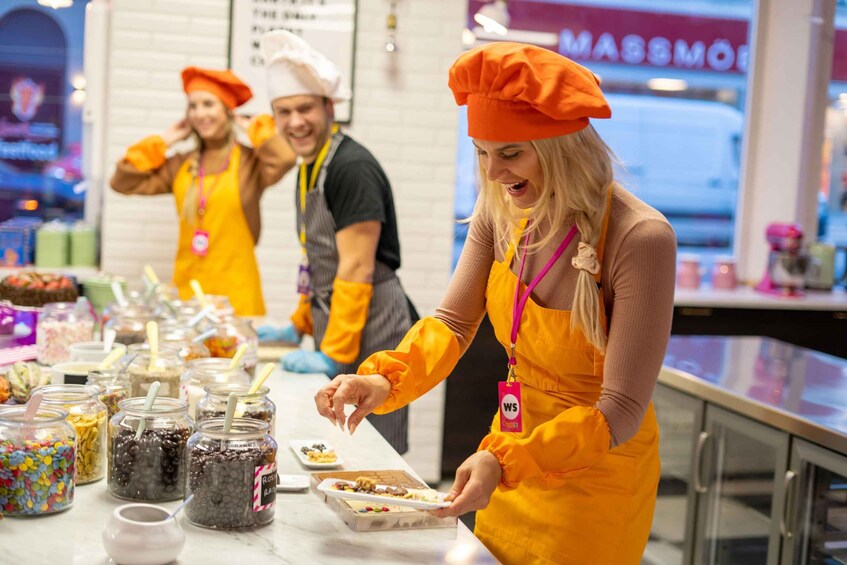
403 112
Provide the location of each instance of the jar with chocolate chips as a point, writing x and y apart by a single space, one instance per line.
232 475
89 418
150 465
255 405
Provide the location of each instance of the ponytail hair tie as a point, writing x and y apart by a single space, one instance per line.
586 259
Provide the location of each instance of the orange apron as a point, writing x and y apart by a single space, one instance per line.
598 515
229 268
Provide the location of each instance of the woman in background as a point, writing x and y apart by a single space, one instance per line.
217 186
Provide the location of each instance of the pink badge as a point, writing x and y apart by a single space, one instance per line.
511 417
200 243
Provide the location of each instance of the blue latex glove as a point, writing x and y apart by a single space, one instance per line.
288 334
301 361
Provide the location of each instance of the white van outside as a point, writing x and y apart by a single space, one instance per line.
683 158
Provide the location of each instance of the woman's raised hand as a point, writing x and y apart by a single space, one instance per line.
177 132
365 391
475 482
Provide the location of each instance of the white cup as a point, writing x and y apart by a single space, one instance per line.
142 534
71 372
92 351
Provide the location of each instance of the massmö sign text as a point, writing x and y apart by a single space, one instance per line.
721 55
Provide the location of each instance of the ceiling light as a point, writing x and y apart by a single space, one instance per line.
670 84
494 17
56 4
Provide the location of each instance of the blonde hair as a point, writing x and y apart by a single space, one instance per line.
578 173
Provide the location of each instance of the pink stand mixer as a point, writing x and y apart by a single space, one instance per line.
785 274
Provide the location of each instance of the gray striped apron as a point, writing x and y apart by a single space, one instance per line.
388 315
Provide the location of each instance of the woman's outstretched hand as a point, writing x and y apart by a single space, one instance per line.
476 479
177 132
365 391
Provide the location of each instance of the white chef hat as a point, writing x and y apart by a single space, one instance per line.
293 68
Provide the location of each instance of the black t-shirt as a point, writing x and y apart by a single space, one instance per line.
357 190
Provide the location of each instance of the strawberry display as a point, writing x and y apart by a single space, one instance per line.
28 288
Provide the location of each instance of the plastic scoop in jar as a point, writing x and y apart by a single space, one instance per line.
109 337
148 405
236 358
118 291
153 341
198 292
205 335
111 358
231 403
32 406
261 377
180 507
194 320
151 275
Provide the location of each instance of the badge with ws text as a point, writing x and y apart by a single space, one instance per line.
511 418
200 243
304 277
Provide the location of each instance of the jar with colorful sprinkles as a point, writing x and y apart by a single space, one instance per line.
37 462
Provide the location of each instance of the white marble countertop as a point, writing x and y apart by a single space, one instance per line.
746 297
304 529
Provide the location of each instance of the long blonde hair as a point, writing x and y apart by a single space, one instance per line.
578 173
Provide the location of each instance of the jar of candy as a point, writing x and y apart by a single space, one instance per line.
59 325
221 306
113 386
231 332
129 323
182 339
37 463
149 467
256 405
88 416
232 475
167 368
203 372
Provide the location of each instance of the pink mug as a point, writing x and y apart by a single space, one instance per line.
688 272
724 276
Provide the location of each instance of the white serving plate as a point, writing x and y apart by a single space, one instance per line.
326 487
297 444
291 483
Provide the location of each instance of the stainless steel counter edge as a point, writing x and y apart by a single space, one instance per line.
753 409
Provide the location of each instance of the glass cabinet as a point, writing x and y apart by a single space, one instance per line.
738 476
680 420
814 524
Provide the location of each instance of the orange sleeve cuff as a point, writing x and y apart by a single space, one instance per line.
573 441
147 154
261 129
302 316
425 357
348 313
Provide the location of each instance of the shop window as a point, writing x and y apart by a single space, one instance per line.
41 97
675 75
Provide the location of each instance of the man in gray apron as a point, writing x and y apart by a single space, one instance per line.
351 300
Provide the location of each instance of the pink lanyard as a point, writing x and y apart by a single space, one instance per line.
201 172
520 301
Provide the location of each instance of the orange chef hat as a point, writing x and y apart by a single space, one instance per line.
223 84
520 92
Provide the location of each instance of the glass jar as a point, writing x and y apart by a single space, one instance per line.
232 331
256 406
129 323
59 325
181 338
27 450
221 306
152 467
88 417
167 369
225 469
203 372
113 386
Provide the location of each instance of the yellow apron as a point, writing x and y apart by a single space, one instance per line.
229 268
598 515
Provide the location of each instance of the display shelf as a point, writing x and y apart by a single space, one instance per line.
78 272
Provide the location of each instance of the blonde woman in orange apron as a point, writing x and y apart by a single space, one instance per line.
577 277
216 187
